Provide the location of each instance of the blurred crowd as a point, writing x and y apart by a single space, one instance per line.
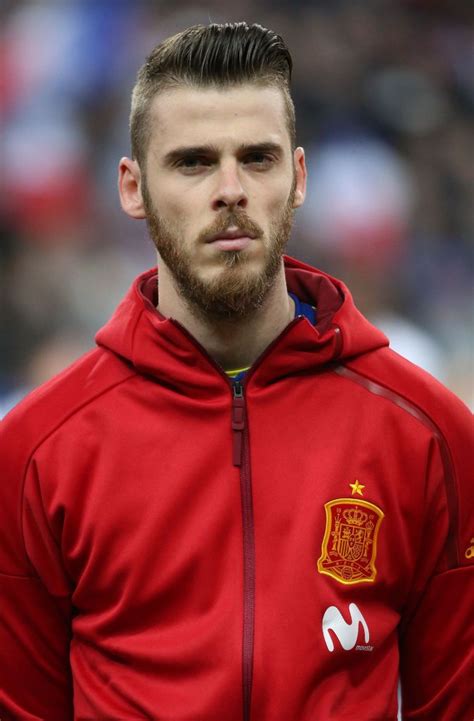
384 94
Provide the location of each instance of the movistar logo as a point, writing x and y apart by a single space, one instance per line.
346 633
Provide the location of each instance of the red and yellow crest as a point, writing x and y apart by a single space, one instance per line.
349 546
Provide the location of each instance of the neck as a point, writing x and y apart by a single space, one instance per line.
232 343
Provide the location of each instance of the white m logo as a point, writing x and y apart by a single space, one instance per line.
347 633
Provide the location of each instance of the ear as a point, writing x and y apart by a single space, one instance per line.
129 187
300 175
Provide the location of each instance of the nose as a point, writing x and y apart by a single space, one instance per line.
230 192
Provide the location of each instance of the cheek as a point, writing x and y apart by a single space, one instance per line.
281 187
173 210
185 203
277 201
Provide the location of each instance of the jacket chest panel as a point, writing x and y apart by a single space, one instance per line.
361 450
160 494
332 502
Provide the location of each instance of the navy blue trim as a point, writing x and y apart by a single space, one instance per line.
305 309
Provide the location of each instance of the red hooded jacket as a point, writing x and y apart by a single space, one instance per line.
177 547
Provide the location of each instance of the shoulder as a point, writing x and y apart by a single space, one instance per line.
49 406
388 375
423 404
27 428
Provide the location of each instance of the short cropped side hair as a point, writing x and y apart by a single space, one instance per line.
212 56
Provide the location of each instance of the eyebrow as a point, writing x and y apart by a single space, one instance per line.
198 150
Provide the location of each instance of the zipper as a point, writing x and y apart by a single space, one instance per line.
241 458
238 422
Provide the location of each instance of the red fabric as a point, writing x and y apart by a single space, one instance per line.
121 529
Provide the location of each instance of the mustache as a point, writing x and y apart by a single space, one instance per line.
232 219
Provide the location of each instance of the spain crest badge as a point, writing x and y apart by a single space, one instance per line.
349 547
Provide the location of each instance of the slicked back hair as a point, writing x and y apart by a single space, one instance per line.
210 56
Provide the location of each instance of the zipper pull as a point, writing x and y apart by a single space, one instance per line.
238 421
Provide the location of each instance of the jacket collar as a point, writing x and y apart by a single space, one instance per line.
160 347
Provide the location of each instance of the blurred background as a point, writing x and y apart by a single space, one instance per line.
384 94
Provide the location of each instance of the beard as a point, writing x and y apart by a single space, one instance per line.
237 291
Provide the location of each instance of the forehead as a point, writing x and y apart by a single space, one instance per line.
242 114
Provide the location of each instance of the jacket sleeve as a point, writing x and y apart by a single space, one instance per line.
35 607
436 638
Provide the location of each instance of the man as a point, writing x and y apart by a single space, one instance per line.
242 505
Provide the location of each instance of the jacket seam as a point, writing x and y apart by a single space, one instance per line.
18 575
449 475
35 449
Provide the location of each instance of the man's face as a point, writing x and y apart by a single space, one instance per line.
219 190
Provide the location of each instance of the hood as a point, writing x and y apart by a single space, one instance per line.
163 348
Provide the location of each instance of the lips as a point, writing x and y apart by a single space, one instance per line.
231 234
232 239
232 244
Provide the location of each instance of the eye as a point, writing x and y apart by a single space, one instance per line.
261 161
192 163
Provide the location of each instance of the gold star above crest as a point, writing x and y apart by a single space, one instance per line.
357 488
